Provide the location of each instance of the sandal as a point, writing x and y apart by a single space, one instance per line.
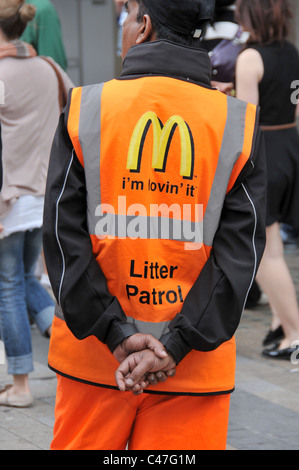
22 400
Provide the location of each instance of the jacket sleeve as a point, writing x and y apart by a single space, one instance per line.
213 307
77 281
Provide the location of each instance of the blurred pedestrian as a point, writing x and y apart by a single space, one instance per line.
224 39
45 35
130 287
265 71
29 117
120 18
119 4
44 32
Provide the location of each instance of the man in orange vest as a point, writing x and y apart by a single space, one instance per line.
154 228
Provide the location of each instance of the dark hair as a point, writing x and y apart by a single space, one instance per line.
162 32
14 25
267 21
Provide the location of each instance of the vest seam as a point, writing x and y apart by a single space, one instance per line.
150 392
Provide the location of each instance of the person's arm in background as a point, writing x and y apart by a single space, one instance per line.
249 73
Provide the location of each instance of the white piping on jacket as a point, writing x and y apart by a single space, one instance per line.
56 228
253 243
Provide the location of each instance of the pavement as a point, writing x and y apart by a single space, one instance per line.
264 407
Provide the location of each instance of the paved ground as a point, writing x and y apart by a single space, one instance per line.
264 408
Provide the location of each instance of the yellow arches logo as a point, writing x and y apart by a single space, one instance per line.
162 137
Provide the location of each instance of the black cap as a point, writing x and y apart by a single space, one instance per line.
182 16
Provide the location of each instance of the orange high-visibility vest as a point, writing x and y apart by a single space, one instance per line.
157 173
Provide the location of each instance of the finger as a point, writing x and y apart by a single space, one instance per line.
138 393
139 372
123 371
138 388
152 343
161 376
152 378
171 373
143 383
139 341
157 347
120 381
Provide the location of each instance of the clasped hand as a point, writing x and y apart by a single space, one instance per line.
143 362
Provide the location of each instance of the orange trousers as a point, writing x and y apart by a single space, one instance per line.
95 418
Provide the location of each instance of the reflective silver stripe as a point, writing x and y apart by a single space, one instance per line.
155 329
231 148
90 141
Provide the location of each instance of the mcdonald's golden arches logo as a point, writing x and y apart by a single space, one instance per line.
162 137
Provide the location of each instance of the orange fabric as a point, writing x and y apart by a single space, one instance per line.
94 418
211 114
73 122
153 296
91 361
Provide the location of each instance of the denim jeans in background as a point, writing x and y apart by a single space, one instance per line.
21 295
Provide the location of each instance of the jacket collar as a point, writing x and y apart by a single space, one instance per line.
168 59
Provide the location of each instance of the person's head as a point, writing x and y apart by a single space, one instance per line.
14 16
267 21
178 21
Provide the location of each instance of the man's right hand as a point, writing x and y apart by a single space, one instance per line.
140 342
132 374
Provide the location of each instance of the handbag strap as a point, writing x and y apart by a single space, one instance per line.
62 90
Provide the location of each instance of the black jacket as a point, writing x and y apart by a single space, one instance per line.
212 310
